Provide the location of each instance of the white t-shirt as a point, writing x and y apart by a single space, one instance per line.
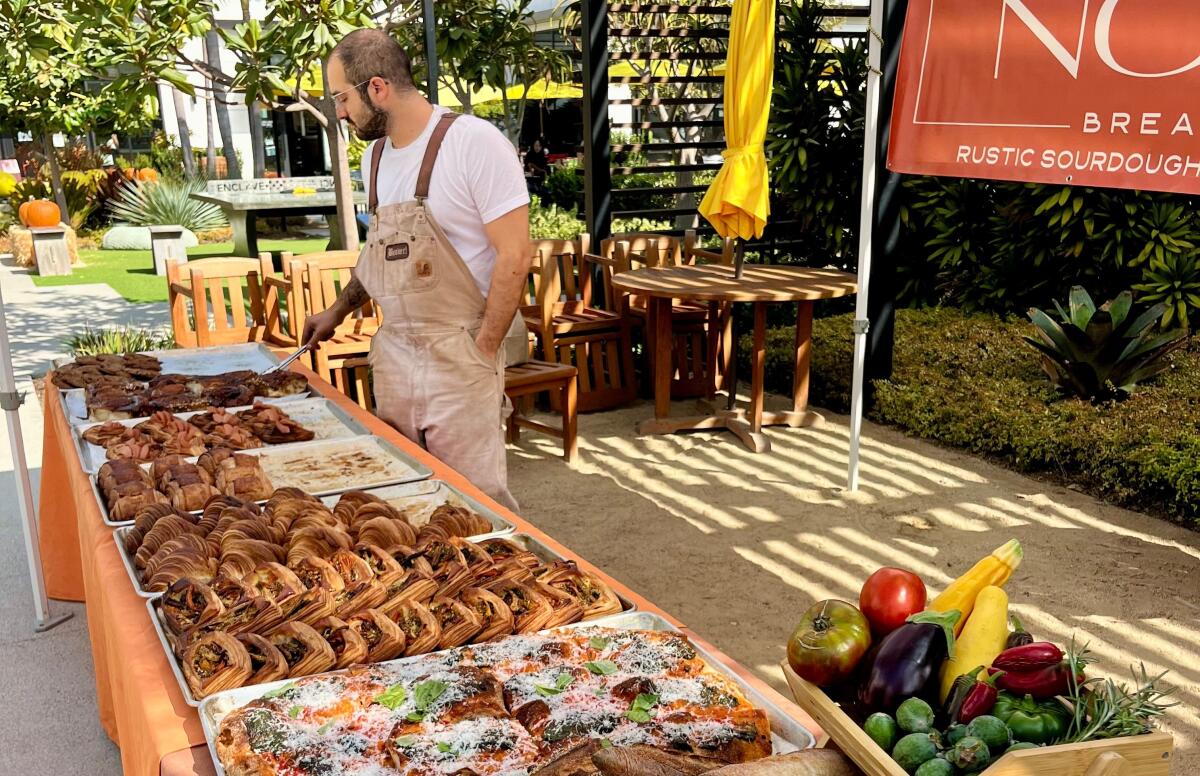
477 179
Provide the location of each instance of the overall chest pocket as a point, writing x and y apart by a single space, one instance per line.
409 263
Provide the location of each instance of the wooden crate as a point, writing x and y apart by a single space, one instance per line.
1148 755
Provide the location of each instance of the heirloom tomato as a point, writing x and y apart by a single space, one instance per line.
828 643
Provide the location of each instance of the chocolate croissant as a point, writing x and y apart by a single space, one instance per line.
303 648
267 664
384 638
215 662
349 646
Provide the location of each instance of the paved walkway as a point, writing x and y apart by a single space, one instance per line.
48 721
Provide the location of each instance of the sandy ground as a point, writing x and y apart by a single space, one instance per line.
738 545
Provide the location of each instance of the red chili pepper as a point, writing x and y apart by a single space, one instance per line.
1040 683
980 700
1040 654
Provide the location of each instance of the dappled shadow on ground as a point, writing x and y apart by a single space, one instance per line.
738 545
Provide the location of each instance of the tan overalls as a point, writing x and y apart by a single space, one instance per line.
432 383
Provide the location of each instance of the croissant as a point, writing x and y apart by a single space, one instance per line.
214 460
309 518
531 610
303 648
448 521
459 623
421 629
347 644
494 615
170 526
368 512
161 469
178 566
185 544
267 663
124 506
189 603
316 572
187 494
215 662
244 481
120 472
384 638
247 528
274 581
241 557
289 494
350 501
385 532
145 519
217 504
319 541
596 597
500 549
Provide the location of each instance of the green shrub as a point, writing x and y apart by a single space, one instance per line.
552 223
126 339
82 190
145 203
968 380
564 185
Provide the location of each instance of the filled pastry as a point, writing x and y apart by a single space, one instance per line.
189 603
495 618
383 637
215 662
348 645
595 597
272 425
267 664
422 632
303 648
459 623
531 610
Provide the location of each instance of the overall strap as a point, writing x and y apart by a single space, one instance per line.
431 154
376 155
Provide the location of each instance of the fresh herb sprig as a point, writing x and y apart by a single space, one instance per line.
1102 708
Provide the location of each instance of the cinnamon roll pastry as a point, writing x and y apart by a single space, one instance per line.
162 530
183 545
384 638
267 664
349 503
215 662
320 541
592 593
348 645
179 566
232 437
531 610
459 622
500 549
189 603
449 566
421 629
274 581
318 573
566 608
385 531
495 618
213 417
241 557
303 648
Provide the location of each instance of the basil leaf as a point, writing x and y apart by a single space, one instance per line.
545 691
600 692
426 693
563 681
637 715
444 748
644 702
295 711
598 642
325 728
415 716
605 743
601 667
393 697
404 741
279 690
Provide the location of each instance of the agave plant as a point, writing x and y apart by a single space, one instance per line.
150 203
1102 353
118 340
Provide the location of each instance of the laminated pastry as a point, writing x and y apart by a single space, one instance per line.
162 530
274 581
384 531
105 434
189 603
114 401
459 623
318 573
134 446
212 418
126 501
215 662
410 587
163 427
500 549
114 474
145 519
383 637
303 648
422 631
350 502
531 610
495 618
267 664
186 485
272 425
320 541
347 644
242 476
232 437
313 605
565 607
241 557
449 566
449 521
278 383
595 597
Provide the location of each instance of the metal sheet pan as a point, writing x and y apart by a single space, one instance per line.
254 356
75 405
321 416
417 500
787 734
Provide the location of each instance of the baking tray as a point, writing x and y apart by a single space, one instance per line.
432 492
787 734
321 416
417 500
544 553
254 356
75 405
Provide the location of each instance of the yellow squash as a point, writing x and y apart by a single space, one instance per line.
982 638
995 569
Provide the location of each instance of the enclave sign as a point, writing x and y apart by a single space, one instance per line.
1086 92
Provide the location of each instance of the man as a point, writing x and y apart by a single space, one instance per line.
446 258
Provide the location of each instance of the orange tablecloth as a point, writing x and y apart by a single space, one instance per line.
138 699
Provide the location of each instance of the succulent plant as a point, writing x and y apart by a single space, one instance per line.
158 203
1102 353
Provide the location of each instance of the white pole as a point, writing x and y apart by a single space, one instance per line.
10 402
870 133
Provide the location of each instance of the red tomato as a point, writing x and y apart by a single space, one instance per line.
889 597
828 643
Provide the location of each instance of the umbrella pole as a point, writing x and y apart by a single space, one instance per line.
739 256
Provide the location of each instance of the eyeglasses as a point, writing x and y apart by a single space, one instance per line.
340 97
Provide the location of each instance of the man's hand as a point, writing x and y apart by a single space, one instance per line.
320 327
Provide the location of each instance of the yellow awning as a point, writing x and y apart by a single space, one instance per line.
310 83
544 90
737 202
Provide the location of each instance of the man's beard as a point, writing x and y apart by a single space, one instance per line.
375 127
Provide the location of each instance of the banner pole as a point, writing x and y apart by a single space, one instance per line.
866 217
10 402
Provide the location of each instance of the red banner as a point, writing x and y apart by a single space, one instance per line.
1085 92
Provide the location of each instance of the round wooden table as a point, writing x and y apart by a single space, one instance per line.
759 285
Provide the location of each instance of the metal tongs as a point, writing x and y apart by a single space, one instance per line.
284 363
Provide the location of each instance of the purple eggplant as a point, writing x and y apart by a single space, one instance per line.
909 661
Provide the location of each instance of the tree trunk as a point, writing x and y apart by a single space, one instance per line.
343 188
514 136
213 50
60 195
185 135
258 147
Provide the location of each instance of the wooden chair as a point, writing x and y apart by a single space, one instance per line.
280 306
355 374
574 323
217 301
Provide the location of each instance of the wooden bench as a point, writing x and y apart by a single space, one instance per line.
528 379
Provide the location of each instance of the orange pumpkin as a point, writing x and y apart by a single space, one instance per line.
147 174
39 212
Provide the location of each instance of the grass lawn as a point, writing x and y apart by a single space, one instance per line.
131 273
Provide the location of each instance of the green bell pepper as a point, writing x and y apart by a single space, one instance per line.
1038 722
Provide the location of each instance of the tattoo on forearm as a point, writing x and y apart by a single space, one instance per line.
354 295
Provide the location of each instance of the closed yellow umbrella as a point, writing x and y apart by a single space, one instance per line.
737 202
